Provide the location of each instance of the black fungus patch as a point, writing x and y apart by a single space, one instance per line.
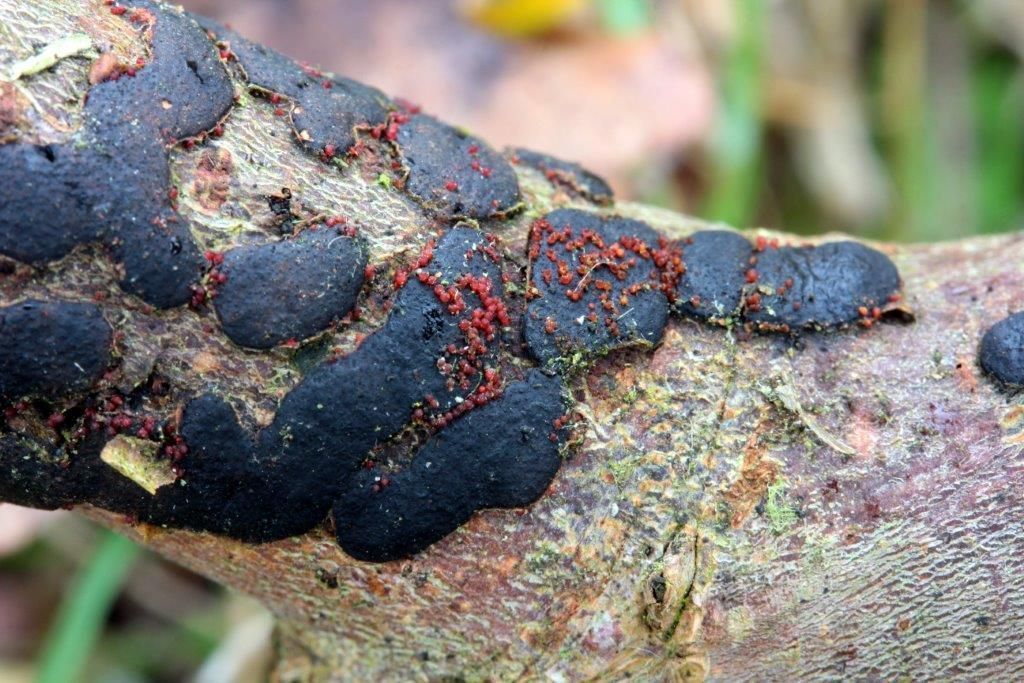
290 289
327 117
426 358
111 183
40 475
1002 350
717 262
111 190
500 456
233 484
51 349
454 174
182 92
262 67
596 284
824 286
328 109
566 174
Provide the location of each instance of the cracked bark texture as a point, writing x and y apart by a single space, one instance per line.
736 506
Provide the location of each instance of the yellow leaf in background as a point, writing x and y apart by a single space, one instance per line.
519 18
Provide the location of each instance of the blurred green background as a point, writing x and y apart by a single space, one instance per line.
893 120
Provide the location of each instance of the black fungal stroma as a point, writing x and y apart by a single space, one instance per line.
1002 350
290 289
491 426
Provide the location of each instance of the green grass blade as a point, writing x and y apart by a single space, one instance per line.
736 148
998 104
907 125
81 616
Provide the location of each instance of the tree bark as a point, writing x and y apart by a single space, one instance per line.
734 506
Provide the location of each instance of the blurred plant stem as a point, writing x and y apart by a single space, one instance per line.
84 610
998 98
906 123
736 145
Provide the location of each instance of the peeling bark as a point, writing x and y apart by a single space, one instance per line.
733 505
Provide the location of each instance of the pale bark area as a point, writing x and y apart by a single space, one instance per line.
739 507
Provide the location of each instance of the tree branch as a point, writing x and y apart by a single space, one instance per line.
219 271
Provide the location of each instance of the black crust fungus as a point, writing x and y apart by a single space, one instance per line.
499 456
716 265
281 482
38 474
566 174
328 109
111 183
50 349
290 289
823 286
597 284
233 484
1002 350
183 91
328 116
454 174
